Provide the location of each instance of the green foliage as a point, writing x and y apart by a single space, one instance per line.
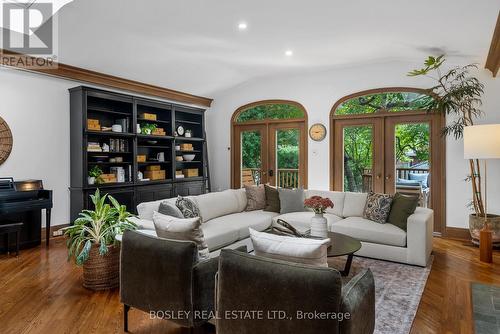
148 128
270 111
358 155
98 226
456 94
385 101
96 173
412 138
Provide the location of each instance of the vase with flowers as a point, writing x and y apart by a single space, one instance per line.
319 224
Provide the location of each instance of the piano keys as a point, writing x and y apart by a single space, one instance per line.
23 201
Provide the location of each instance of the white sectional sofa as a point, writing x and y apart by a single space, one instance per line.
226 223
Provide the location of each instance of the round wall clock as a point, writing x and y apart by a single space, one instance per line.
317 132
180 130
5 141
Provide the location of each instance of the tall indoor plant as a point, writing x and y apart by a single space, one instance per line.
91 241
457 95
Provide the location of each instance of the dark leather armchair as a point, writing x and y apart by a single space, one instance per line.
163 275
261 295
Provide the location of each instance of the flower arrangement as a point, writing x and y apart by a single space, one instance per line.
318 204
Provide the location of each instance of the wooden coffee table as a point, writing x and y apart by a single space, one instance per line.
341 245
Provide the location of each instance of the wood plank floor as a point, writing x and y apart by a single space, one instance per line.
40 292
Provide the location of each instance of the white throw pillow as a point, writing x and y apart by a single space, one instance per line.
299 250
189 229
354 204
217 204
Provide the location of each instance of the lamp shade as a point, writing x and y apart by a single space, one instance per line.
482 141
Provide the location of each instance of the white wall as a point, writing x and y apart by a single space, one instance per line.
318 92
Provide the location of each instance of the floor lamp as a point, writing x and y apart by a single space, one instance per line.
483 142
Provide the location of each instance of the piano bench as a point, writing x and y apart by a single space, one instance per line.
11 228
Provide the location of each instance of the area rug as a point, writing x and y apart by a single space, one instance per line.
486 306
398 289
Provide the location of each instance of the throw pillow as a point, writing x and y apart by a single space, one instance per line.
403 206
422 177
377 207
412 183
291 200
189 229
272 199
299 250
188 207
256 197
169 209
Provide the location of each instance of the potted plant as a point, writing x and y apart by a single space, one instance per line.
319 224
91 241
94 175
457 95
148 128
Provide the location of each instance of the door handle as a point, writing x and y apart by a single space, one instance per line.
378 176
271 172
388 177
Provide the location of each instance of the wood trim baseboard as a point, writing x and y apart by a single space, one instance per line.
69 72
457 233
493 60
52 230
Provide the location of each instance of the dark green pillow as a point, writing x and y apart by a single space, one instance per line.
403 206
272 199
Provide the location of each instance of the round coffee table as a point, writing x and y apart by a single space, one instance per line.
342 244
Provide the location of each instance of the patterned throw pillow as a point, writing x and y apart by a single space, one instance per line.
256 197
188 207
378 207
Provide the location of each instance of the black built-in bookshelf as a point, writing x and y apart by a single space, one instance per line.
114 108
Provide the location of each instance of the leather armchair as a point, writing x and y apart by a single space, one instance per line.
261 295
164 275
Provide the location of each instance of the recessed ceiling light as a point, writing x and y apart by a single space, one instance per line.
242 26
288 53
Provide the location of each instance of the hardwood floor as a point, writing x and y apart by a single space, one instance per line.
40 292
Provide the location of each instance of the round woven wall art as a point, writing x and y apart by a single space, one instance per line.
5 141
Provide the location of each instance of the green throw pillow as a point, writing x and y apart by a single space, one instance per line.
403 206
272 199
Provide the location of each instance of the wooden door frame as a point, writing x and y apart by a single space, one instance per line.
267 122
438 180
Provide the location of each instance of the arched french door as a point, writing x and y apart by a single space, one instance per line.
269 144
385 140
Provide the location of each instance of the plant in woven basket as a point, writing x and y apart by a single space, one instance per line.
318 204
97 227
91 241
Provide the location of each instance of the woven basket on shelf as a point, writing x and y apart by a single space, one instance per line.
101 272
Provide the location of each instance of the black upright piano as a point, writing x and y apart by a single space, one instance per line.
23 201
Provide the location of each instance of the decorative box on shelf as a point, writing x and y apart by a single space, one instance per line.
159 132
186 147
141 158
93 125
179 174
108 178
151 117
155 174
190 172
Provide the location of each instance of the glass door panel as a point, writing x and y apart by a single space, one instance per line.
409 160
286 165
357 155
251 157
287 158
358 158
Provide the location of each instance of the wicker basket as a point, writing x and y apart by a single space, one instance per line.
101 272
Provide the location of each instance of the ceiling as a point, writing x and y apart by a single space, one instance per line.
195 45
